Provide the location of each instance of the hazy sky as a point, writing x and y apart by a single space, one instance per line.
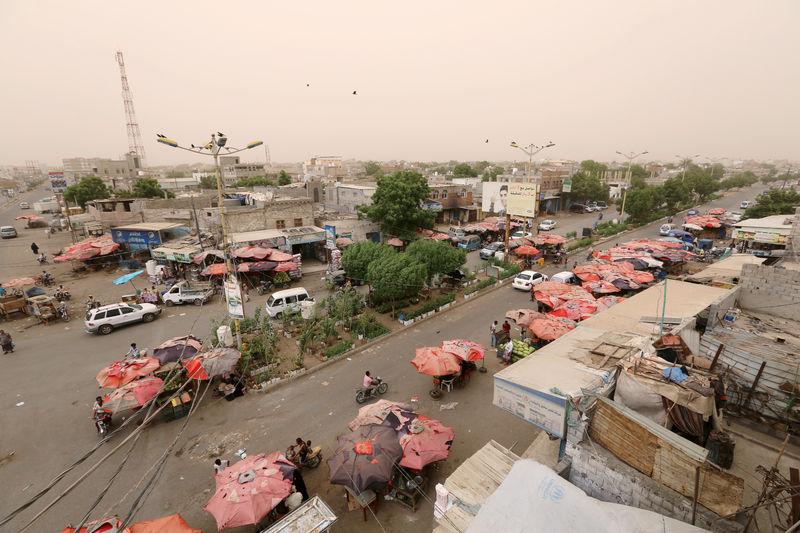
435 79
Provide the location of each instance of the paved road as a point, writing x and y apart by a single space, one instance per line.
53 372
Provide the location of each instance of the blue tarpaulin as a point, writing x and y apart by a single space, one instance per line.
127 277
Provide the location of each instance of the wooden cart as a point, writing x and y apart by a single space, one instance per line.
12 304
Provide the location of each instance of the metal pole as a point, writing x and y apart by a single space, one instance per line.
627 185
225 244
197 225
663 310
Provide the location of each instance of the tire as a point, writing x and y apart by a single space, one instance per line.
315 461
105 329
65 318
169 303
149 317
198 301
383 387
361 397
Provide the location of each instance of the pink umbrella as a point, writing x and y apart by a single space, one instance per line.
380 411
394 241
427 441
216 269
526 250
523 317
19 282
132 395
466 350
285 267
251 252
551 328
548 238
577 309
248 490
202 255
716 211
599 287
553 293
243 267
435 362
121 372
278 256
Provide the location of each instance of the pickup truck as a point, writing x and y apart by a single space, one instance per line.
183 292
47 206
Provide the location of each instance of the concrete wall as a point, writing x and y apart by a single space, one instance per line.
601 475
775 291
249 219
720 306
354 229
344 199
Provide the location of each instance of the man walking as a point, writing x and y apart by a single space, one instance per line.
493 333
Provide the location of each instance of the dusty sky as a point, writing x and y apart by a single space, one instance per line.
435 79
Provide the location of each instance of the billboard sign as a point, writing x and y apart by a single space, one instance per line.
567 187
518 199
547 411
142 238
58 183
330 236
234 298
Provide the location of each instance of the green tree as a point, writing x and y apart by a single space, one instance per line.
284 178
641 203
774 202
438 257
593 168
700 182
173 174
441 170
148 188
492 173
356 258
481 166
463 170
716 171
675 192
89 188
396 204
208 182
254 181
587 187
395 276
371 168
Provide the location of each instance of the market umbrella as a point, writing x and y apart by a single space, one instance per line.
202 255
365 457
427 441
383 413
177 348
168 524
554 293
341 242
121 372
215 269
243 267
610 301
394 241
548 238
19 282
716 211
262 266
28 217
127 277
106 525
523 317
466 350
216 362
278 256
551 328
248 490
576 309
285 267
435 362
599 287
35 291
694 227
526 250
132 395
252 252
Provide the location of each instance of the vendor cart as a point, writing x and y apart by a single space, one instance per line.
313 516
12 304
43 308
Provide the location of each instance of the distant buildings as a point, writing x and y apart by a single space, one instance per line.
233 169
117 173
325 166
344 197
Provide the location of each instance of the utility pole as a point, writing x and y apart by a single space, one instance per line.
531 150
630 156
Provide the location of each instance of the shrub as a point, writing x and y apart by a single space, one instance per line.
385 307
580 244
607 229
377 332
572 234
432 305
511 270
337 349
488 282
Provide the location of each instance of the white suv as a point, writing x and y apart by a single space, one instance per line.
104 319
547 225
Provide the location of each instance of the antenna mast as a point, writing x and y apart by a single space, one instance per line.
134 136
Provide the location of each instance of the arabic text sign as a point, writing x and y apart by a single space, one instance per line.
234 297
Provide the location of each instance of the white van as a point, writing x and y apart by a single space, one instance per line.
565 277
280 301
746 204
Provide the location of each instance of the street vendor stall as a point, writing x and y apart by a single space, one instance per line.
313 516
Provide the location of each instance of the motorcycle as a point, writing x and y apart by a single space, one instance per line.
63 312
62 296
365 393
103 421
313 458
42 259
264 287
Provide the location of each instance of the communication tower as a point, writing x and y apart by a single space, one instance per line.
132 125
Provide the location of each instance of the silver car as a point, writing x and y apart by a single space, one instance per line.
8 232
105 319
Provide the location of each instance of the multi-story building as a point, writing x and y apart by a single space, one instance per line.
344 197
325 166
233 169
117 173
452 202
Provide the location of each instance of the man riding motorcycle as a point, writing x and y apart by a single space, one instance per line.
369 383
99 413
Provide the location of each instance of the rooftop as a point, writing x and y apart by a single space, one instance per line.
726 271
149 226
774 221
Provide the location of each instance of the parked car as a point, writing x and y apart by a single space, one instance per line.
601 205
566 277
286 300
24 205
521 234
547 225
456 233
665 229
105 319
746 204
579 208
736 216
691 212
188 292
470 242
490 249
527 279
8 232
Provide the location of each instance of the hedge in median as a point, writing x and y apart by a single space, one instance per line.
431 306
337 349
488 282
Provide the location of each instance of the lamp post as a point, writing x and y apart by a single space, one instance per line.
685 162
630 157
212 148
530 150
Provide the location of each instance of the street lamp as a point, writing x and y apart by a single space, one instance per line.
685 162
530 150
630 156
212 148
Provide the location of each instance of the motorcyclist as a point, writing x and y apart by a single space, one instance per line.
133 353
302 449
47 279
97 412
42 258
369 384
62 309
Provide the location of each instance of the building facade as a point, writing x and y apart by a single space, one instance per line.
325 166
345 197
452 202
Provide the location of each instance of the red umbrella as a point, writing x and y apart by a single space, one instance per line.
466 350
523 317
394 241
248 490
19 282
214 363
435 362
285 267
609 301
548 238
427 441
251 252
169 524
551 328
576 309
716 211
122 372
109 524
278 256
202 255
216 269
379 413
526 250
243 267
599 287
132 395
554 293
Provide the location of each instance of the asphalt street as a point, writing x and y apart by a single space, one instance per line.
47 387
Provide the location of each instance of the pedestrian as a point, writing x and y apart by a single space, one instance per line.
600 217
35 248
300 484
246 291
574 265
47 232
589 255
506 328
565 258
522 334
493 333
595 225
6 342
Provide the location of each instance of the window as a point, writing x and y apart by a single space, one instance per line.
280 224
463 193
298 222
111 313
126 310
444 195
291 300
301 297
435 195
100 315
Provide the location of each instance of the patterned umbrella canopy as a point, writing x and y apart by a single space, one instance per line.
435 361
168 524
285 267
599 287
526 250
548 238
609 301
122 372
262 266
202 255
577 309
523 317
177 348
132 395
394 241
365 457
215 269
716 211
426 441
383 413
551 328
553 293
466 350
214 363
19 282
248 490
252 252
277 255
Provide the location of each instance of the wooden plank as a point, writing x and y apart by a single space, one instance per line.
755 384
627 436
716 356
794 480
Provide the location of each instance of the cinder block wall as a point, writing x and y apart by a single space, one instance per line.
775 291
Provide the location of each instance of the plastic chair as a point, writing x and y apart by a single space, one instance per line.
447 384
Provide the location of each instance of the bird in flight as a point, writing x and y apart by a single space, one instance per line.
308 85
487 140
355 92
160 136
